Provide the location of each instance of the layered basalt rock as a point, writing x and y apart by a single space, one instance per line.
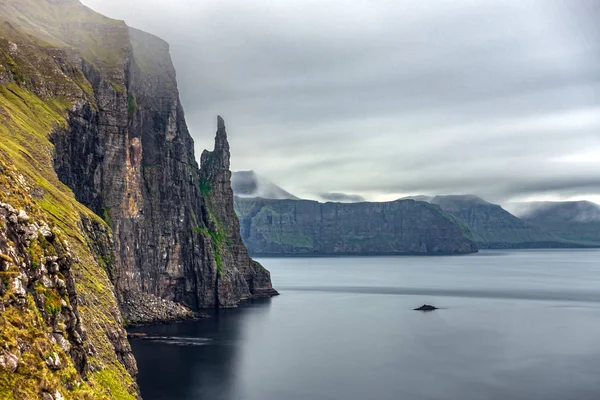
95 151
130 158
240 277
302 227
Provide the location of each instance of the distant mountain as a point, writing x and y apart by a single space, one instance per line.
303 227
566 211
249 184
494 227
570 220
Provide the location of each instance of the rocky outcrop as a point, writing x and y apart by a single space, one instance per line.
35 263
130 159
61 332
103 201
238 276
426 307
301 227
60 328
144 308
495 228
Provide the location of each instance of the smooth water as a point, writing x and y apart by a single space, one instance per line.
513 325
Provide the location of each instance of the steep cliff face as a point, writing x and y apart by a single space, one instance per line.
61 330
309 227
93 137
144 180
238 276
495 228
127 154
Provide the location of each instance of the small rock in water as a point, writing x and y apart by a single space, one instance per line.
426 307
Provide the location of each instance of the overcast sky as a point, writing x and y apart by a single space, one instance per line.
387 98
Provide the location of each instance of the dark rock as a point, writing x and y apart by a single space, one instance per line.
238 277
300 227
143 308
131 160
121 145
426 307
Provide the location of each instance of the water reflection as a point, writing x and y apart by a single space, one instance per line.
518 326
194 360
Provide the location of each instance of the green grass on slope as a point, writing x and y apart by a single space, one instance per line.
101 40
28 181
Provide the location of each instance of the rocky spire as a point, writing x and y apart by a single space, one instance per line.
235 266
218 159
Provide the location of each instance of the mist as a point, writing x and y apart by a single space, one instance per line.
385 99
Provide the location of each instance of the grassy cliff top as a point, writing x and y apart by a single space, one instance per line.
68 23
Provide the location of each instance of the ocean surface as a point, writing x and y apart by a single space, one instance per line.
511 325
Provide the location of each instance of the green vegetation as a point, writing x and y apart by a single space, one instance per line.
464 228
111 381
106 215
379 239
205 188
295 239
101 40
14 68
33 375
218 241
35 252
52 301
131 103
26 123
118 88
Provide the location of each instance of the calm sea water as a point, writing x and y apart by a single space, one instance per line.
513 325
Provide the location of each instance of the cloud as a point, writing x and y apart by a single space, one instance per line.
389 97
341 197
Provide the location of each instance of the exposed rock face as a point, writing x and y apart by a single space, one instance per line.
144 308
45 273
239 277
132 162
87 102
52 296
308 227
495 228
59 318
577 221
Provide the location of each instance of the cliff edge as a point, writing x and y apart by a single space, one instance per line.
303 227
104 217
